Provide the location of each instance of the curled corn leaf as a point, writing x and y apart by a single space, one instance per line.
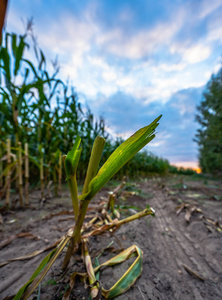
120 157
128 279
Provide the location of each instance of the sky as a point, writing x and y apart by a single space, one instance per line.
131 61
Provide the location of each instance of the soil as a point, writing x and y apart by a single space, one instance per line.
182 245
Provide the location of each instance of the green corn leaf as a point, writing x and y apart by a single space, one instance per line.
26 75
14 44
35 274
42 60
28 288
4 56
19 54
31 66
72 159
120 157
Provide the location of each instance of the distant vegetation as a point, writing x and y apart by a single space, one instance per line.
181 170
209 136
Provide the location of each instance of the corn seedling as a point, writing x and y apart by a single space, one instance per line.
94 181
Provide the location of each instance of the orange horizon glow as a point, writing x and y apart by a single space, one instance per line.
188 165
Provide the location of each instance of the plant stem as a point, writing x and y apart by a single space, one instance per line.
1 166
8 175
91 172
26 174
74 195
94 162
16 127
42 177
20 173
60 173
55 182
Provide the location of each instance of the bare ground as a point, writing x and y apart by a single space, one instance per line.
182 251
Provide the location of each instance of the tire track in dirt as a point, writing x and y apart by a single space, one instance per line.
174 247
179 249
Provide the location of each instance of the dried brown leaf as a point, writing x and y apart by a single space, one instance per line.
65 212
189 212
180 208
189 270
27 235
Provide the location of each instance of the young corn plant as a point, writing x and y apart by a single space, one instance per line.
94 181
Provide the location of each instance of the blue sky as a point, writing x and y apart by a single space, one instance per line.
131 61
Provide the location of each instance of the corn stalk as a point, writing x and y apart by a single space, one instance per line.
60 173
20 174
41 171
8 175
26 174
1 165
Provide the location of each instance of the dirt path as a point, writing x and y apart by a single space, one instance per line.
182 260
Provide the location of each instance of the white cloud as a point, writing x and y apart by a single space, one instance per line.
196 54
71 42
191 54
109 76
124 81
98 62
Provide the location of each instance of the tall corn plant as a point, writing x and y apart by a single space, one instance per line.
25 94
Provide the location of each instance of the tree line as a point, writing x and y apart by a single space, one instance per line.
209 135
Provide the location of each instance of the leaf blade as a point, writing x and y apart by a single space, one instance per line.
120 157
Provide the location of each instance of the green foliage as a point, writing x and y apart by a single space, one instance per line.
38 108
209 136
